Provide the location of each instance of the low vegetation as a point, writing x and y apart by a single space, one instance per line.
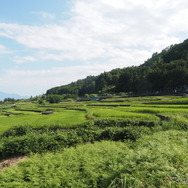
152 161
96 144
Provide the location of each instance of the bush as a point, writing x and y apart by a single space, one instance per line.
102 123
38 143
159 160
17 131
24 140
121 134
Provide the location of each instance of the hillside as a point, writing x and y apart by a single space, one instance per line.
164 73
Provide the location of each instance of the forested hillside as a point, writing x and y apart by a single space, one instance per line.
163 73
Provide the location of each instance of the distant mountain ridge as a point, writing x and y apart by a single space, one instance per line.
164 73
4 95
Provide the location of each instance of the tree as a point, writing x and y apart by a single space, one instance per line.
54 98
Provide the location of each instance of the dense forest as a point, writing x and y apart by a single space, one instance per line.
164 73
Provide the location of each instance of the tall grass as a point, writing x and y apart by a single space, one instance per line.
154 161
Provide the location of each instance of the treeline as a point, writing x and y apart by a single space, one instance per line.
163 73
9 100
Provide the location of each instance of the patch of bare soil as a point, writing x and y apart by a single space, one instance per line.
11 162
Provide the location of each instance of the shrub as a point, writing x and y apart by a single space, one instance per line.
17 131
102 123
24 140
121 134
159 160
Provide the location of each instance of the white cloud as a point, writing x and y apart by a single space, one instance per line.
95 30
38 81
111 33
44 15
23 59
4 50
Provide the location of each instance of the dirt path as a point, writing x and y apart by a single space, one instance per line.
11 162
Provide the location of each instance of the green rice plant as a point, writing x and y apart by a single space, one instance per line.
180 121
116 113
183 100
65 118
156 110
177 106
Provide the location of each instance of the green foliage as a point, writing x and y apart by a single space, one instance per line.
181 122
116 134
103 123
37 142
17 131
163 73
32 116
127 114
54 98
23 140
9 100
159 160
122 146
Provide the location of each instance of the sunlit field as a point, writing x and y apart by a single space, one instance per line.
36 119
135 142
72 113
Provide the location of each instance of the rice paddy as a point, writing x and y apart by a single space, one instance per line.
71 113
115 143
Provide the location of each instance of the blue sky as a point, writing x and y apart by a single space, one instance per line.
45 43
